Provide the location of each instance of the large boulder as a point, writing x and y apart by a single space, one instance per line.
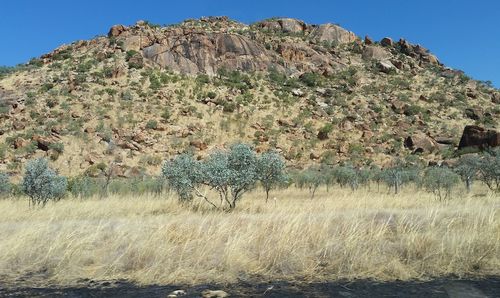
479 137
116 30
333 33
386 66
495 97
287 25
375 53
386 42
421 143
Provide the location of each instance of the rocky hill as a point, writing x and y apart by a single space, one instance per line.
144 93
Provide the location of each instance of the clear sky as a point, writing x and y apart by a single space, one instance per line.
463 34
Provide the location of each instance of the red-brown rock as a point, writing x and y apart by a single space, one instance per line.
479 137
420 142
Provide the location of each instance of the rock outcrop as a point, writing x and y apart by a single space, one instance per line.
421 143
479 137
333 33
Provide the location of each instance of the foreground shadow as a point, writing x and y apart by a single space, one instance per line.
444 287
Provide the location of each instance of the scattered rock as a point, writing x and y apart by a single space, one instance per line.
386 66
116 30
479 137
368 40
375 53
495 97
200 145
177 293
298 92
214 294
44 142
18 125
473 113
420 142
386 42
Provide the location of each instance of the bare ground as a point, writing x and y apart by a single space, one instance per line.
445 287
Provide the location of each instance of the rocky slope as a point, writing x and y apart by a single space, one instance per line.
316 93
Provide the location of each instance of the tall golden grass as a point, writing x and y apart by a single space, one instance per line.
340 234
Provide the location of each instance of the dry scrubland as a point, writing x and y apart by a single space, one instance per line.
340 234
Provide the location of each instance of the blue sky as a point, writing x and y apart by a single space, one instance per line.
463 34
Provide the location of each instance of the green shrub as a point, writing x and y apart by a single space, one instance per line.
57 147
152 124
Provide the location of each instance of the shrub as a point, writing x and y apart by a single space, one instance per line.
166 114
41 184
5 186
440 181
310 79
82 187
152 124
57 147
270 171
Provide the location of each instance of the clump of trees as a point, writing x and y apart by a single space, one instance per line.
231 173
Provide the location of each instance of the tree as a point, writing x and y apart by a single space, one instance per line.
489 170
229 172
41 183
183 174
311 178
398 175
347 176
440 181
467 167
5 186
242 163
270 171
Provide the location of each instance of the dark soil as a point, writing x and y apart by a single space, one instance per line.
447 287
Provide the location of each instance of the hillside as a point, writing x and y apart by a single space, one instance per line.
316 93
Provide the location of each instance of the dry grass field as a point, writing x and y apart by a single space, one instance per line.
339 234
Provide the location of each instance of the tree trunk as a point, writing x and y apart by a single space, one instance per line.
468 184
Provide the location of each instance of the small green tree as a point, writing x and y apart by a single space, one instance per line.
467 167
183 174
311 178
398 175
489 170
271 171
440 181
347 176
230 172
41 183
242 163
5 186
